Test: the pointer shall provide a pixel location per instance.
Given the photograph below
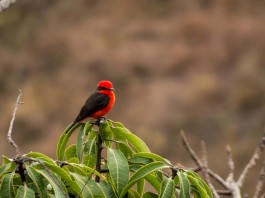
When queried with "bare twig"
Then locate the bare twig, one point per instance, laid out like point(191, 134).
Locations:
point(9, 134)
point(252, 162)
point(205, 170)
point(231, 165)
point(218, 179)
point(189, 149)
point(224, 192)
point(232, 185)
point(5, 4)
point(201, 166)
point(260, 182)
point(199, 163)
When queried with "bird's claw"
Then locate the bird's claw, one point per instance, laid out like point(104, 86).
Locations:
point(99, 120)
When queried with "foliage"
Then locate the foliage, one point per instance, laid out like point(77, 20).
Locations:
point(123, 170)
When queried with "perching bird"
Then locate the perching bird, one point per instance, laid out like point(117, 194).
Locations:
point(98, 103)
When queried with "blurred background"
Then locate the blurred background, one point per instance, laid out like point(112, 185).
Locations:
point(196, 65)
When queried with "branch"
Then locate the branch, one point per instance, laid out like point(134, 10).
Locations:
point(231, 165)
point(205, 170)
point(232, 185)
point(198, 161)
point(218, 178)
point(9, 134)
point(190, 150)
point(21, 168)
point(260, 182)
point(99, 151)
point(253, 161)
point(5, 4)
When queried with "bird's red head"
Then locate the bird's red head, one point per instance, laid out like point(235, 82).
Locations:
point(105, 84)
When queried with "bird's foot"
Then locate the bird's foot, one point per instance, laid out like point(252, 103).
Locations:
point(99, 120)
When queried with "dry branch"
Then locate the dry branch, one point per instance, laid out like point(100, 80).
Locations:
point(231, 184)
point(231, 187)
point(9, 134)
point(255, 157)
point(260, 182)
point(205, 170)
point(196, 159)
point(5, 4)
point(190, 150)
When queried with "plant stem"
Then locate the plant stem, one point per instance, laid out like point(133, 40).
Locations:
point(99, 150)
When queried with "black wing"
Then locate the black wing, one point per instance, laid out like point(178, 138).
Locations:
point(93, 104)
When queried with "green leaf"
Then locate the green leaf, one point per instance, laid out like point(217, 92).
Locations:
point(73, 160)
point(133, 194)
point(42, 157)
point(159, 176)
point(135, 167)
point(199, 186)
point(64, 176)
point(139, 161)
point(57, 185)
point(176, 180)
point(5, 160)
point(7, 188)
point(141, 173)
point(64, 140)
point(89, 187)
point(91, 142)
point(89, 156)
point(121, 142)
point(150, 195)
point(118, 168)
point(195, 192)
point(119, 124)
point(70, 152)
point(124, 147)
point(152, 156)
point(86, 170)
point(105, 132)
point(25, 192)
point(152, 179)
point(184, 185)
point(167, 188)
point(37, 181)
point(135, 141)
point(79, 143)
point(88, 128)
point(140, 186)
point(201, 182)
point(4, 168)
point(17, 181)
point(77, 170)
point(107, 188)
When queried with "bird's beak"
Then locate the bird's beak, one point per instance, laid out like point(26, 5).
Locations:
point(111, 89)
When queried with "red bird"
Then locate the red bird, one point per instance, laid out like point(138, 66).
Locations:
point(98, 103)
